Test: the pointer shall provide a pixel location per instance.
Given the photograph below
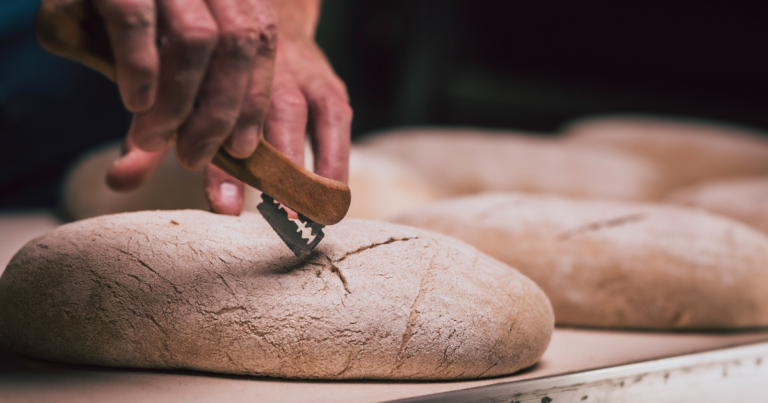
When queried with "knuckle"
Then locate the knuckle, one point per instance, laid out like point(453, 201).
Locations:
point(219, 121)
point(255, 103)
point(172, 114)
point(289, 101)
point(239, 43)
point(268, 36)
point(267, 23)
point(143, 69)
point(130, 14)
point(336, 108)
point(197, 36)
point(176, 114)
point(139, 65)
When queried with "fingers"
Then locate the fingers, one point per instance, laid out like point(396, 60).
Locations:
point(225, 193)
point(331, 125)
point(131, 27)
point(132, 169)
point(305, 85)
point(188, 35)
point(287, 118)
point(254, 109)
point(221, 94)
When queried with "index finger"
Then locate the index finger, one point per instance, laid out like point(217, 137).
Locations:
point(131, 27)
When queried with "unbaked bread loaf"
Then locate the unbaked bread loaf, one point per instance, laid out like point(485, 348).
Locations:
point(743, 199)
point(464, 161)
point(195, 290)
point(86, 194)
point(618, 265)
point(688, 151)
point(381, 187)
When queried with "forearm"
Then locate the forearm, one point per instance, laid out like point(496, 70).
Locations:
point(296, 19)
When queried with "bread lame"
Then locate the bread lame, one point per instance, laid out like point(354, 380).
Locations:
point(74, 30)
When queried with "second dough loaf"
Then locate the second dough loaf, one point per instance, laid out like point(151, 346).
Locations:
point(619, 265)
point(687, 151)
point(464, 161)
point(743, 199)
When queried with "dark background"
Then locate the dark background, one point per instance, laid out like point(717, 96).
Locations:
point(501, 64)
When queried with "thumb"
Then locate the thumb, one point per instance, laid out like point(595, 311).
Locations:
point(135, 166)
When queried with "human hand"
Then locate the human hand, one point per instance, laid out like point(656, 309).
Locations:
point(199, 68)
point(307, 97)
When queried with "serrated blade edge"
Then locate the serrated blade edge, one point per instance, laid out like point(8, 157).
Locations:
point(287, 229)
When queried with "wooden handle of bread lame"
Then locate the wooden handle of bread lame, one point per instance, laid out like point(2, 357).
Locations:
point(74, 29)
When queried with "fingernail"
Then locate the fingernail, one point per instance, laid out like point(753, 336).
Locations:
point(227, 200)
point(227, 193)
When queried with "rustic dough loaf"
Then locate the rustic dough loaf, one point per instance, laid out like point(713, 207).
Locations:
point(462, 161)
point(190, 289)
point(86, 194)
point(612, 264)
point(743, 199)
point(688, 151)
point(381, 187)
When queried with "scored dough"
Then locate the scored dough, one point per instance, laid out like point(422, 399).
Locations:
point(466, 161)
point(614, 264)
point(195, 290)
point(688, 151)
point(743, 199)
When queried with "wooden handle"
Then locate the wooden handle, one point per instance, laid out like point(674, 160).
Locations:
point(74, 30)
point(274, 174)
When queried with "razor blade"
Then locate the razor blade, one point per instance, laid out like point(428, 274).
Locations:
point(289, 230)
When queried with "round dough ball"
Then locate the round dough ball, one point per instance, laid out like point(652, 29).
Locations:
point(618, 265)
point(743, 199)
point(87, 195)
point(688, 151)
point(195, 290)
point(383, 187)
point(462, 161)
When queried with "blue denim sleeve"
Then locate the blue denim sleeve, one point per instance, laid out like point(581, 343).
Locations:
point(51, 111)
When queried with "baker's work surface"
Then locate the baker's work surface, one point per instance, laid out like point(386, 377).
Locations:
point(577, 352)
point(571, 351)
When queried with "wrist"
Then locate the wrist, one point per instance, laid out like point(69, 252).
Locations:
point(296, 19)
